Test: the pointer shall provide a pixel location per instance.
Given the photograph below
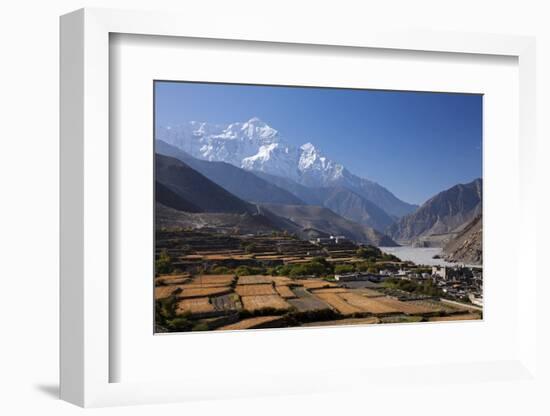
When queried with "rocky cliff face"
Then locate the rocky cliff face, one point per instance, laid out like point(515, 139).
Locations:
point(467, 246)
point(447, 212)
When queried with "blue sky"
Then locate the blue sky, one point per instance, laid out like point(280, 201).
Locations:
point(415, 144)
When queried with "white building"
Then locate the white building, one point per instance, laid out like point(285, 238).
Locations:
point(440, 271)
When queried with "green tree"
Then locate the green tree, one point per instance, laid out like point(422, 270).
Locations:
point(369, 252)
point(307, 269)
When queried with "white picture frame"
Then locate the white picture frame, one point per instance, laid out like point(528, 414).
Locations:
point(86, 355)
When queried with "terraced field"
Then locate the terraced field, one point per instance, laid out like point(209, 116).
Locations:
point(197, 292)
point(172, 279)
point(162, 292)
point(408, 308)
point(285, 292)
point(229, 302)
point(254, 280)
point(252, 323)
point(346, 321)
point(338, 303)
point(195, 306)
point(308, 304)
point(370, 305)
point(330, 290)
point(370, 293)
point(457, 317)
point(450, 309)
point(255, 303)
point(255, 290)
point(221, 279)
point(314, 283)
point(282, 280)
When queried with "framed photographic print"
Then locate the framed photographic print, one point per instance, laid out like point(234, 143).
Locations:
point(258, 228)
point(271, 207)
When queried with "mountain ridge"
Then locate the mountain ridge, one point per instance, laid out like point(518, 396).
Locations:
point(313, 217)
point(241, 183)
point(467, 246)
point(253, 145)
point(446, 212)
point(180, 188)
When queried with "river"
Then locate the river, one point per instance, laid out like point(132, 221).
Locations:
point(418, 255)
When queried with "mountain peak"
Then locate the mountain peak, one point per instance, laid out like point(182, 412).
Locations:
point(255, 120)
point(255, 145)
point(308, 147)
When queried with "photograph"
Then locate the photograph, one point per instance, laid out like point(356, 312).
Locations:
point(299, 206)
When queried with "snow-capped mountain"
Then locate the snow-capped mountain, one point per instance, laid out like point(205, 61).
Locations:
point(254, 145)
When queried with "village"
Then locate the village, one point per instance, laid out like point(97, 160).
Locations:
point(207, 280)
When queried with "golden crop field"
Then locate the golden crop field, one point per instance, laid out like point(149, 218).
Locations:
point(162, 292)
point(370, 293)
point(205, 291)
point(298, 261)
point(444, 307)
point(371, 305)
point(197, 285)
point(255, 290)
point(218, 257)
point(314, 284)
point(195, 306)
point(253, 303)
point(289, 259)
point(285, 292)
point(268, 257)
point(348, 321)
point(208, 281)
point(254, 280)
point(330, 290)
point(340, 259)
point(242, 256)
point(215, 278)
point(407, 307)
point(282, 280)
point(458, 317)
point(172, 279)
point(251, 323)
point(335, 301)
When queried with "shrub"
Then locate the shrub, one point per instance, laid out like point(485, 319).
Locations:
point(165, 308)
point(221, 270)
point(249, 270)
point(200, 327)
point(427, 287)
point(250, 248)
point(163, 264)
point(344, 268)
point(178, 324)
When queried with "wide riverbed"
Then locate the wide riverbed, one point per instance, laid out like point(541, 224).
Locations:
point(418, 255)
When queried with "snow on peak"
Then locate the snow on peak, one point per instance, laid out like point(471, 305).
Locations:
point(252, 145)
point(308, 147)
point(255, 120)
